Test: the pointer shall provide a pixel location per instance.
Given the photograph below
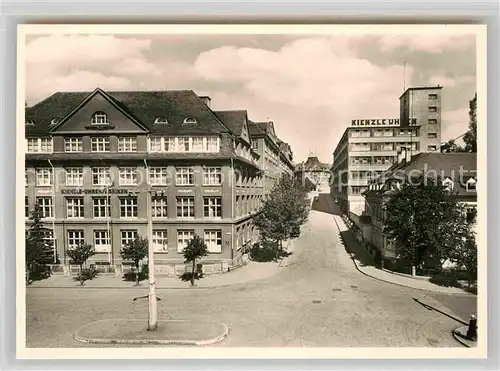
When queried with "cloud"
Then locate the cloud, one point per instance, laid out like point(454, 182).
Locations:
point(311, 88)
point(77, 62)
point(454, 123)
point(427, 42)
point(450, 82)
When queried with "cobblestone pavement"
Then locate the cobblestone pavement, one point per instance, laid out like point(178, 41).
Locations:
point(318, 299)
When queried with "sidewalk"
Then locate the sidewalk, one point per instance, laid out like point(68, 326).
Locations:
point(251, 272)
point(365, 264)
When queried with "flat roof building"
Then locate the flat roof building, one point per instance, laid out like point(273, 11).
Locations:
point(370, 146)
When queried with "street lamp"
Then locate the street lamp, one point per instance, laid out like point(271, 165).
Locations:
point(153, 307)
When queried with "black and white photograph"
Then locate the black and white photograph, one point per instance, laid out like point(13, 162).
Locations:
point(232, 190)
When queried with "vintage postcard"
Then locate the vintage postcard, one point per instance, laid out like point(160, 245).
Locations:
point(241, 191)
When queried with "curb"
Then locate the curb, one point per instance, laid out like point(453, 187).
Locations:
point(398, 284)
point(152, 341)
point(458, 337)
point(133, 287)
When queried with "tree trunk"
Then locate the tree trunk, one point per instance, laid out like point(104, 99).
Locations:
point(137, 273)
point(192, 273)
point(81, 275)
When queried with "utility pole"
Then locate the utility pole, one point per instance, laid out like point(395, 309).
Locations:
point(153, 305)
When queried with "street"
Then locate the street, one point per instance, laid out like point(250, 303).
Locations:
point(318, 300)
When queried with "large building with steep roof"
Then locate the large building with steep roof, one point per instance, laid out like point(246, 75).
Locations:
point(317, 172)
point(94, 158)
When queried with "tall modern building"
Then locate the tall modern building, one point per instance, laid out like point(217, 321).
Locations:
point(369, 147)
point(93, 159)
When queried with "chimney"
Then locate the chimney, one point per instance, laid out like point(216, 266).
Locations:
point(206, 99)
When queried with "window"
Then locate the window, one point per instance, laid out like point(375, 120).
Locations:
point(127, 144)
point(54, 121)
point(448, 184)
point(189, 120)
point(159, 207)
point(155, 144)
point(185, 207)
point(29, 122)
point(433, 96)
point(184, 176)
point(128, 176)
point(471, 184)
point(101, 207)
point(431, 135)
point(159, 240)
point(183, 238)
point(25, 177)
point(213, 239)
point(101, 176)
point(100, 144)
point(161, 120)
point(255, 144)
point(73, 144)
point(432, 109)
point(37, 145)
point(212, 176)
point(44, 177)
point(46, 206)
point(74, 207)
point(197, 144)
point(128, 236)
point(169, 144)
point(212, 144)
point(74, 176)
point(102, 241)
point(158, 175)
point(75, 238)
point(431, 148)
point(26, 208)
point(212, 207)
point(432, 121)
point(128, 207)
point(183, 144)
point(99, 118)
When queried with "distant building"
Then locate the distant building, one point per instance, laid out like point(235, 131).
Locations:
point(316, 172)
point(458, 171)
point(370, 146)
point(275, 156)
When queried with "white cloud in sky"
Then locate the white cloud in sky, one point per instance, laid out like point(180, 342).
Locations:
point(311, 87)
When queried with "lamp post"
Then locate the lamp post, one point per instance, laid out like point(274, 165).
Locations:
point(153, 305)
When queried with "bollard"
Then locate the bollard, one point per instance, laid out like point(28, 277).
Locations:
point(472, 330)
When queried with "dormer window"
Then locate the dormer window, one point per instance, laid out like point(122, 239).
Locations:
point(54, 121)
point(161, 120)
point(471, 184)
point(448, 184)
point(99, 118)
point(190, 120)
point(29, 122)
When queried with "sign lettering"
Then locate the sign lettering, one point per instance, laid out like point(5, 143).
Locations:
point(79, 191)
point(374, 122)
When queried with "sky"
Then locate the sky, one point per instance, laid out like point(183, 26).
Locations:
point(310, 86)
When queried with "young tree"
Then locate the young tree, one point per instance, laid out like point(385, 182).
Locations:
point(195, 249)
point(135, 251)
point(470, 138)
point(465, 256)
point(283, 213)
point(39, 252)
point(424, 222)
point(79, 255)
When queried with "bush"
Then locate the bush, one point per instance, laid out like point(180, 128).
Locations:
point(132, 276)
point(39, 272)
point(86, 274)
point(187, 276)
point(445, 279)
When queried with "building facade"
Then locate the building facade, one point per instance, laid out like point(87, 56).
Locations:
point(317, 172)
point(275, 156)
point(369, 147)
point(457, 171)
point(93, 160)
